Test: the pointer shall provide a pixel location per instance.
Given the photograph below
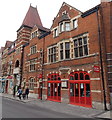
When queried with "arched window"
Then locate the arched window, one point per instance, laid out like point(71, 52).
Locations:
point(31, 83)
point(49, 78)
point(72, 78)
point(59, 78)
point(17, 63)
point(81, 76)
point(76, 76)
point(87, 77)
point(55, 77)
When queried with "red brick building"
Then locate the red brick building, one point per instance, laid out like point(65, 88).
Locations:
point(69, 63)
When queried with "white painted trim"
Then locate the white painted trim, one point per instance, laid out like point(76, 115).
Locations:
point(78, 16)
point(95, 79)
point(44, 79)
point(64, 79)
point(97, 91)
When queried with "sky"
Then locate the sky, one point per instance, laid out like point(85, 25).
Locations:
point(12, 13)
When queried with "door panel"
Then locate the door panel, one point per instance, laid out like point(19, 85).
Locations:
point(54, 91)
point(80, 94)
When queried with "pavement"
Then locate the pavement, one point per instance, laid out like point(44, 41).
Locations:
point(65, 108)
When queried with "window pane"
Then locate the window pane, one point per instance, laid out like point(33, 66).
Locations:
point(76, 89)
point(67, 45)
point(61, 27)
point(54, 57)
point(54, 49)
point(67, 26)
point(59, 89)
point(61, 51)
point(51, 58)
point(76, 76)
point(76, 52)
point(81, 76)
point(75, 43)
point(61, 46)
point(82, 89)
point(85, 50)
point(55, 32)
point(87, 90)
point(67, 54)
point(61, 54)
point(80, 51)
point(87, 77)
point(55, 89)
point(85, 40)
point(71, 89)
point(71, 77)
point(49, 92)
point(75, 24)
point(49, 78)
point(80, 41)
point(59, 78)
point(51, 50)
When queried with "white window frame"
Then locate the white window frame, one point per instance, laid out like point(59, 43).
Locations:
point(75, 23)
point(31, 83)
point(34, 34)
point(55, 32)
point(61, 26)
point(33, 49)
point(67, 28)
point(32, 63)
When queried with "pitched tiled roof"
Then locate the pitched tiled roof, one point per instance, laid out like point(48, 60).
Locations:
point(64, 17)
point(43, 28)
point(32, 18)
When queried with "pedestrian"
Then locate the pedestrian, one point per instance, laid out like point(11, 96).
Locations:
point(24, 94)
point(27, 92)
point(20, 93)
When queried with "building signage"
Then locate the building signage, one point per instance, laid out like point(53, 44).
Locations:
point(16, 71)
point(96, 69)
point(40, 76)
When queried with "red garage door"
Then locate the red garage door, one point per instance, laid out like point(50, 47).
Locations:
point(79, 89)
point(54, 87)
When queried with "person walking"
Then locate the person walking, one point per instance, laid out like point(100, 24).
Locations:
point(24, 94)
point(27, 92)
point(20, 93)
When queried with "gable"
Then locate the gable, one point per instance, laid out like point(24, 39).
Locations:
point(70, 12)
